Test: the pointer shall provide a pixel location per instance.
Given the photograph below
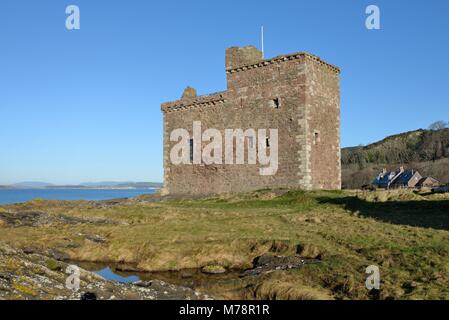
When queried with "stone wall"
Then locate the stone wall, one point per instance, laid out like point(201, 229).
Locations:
point(304, 88)
point(323, 118)
point(237, 57)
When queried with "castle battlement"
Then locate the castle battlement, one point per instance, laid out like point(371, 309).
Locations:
point(281, 59)
point(195, 102)
point(236, 56)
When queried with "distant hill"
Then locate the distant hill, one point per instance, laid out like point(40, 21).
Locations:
point(141, 185)
point(113, 184)
point(424, 150)
point(88, 185)
point(102, 184)
point(31, 185)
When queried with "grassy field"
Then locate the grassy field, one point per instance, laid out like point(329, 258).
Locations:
point(406, 234)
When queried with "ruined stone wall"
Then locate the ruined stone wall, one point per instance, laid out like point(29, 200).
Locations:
point(248, 103)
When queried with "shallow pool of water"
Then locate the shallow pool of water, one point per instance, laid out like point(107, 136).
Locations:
point(226, 285)
point(108, 274)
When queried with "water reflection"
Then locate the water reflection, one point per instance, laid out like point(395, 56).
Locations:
point(110, 275)
point(223, 286)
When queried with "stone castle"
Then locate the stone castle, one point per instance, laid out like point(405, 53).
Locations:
point(299, 94)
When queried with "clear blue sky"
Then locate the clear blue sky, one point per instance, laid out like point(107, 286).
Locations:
point(84, 105)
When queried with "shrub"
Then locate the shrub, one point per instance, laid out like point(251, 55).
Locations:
point(52, 265)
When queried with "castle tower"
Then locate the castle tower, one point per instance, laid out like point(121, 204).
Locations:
point(297, 94)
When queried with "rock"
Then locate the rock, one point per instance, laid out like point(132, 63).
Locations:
point(29, 250)
point(213, 269)
point(57, 255)
point(35, 218)
point(5, 276)
point(264, 260)
point(95, 238)
point(268, 263)
point(28, 276)
point(89, 296)
point(7, 250)
point(24, 219)
point(166, 291)
point(73, 245)
point(313, 220)
point(409, 286)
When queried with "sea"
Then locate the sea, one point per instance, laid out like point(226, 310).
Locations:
point(10, 196)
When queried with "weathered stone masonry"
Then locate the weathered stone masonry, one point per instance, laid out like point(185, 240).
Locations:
point(307, 93)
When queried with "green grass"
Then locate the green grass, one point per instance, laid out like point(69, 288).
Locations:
point(52, 264)
point(406, 234)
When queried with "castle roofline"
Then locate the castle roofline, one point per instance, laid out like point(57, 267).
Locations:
point(251, 59)
point(283, 58)
point(200, 101)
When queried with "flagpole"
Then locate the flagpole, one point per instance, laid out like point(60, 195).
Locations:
point(263, 51)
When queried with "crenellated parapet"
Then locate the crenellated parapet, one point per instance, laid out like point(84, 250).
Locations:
point(282, 59)
point(191, 102)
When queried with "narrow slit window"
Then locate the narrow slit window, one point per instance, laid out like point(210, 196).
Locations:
point(267, 142)
point(316, 137)
point(191, 149)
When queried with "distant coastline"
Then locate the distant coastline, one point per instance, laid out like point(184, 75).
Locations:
point(11, 196)
point(85, 186)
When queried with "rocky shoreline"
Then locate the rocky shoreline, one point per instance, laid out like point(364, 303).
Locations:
point(35, 272)
point(32, 276)
point(26, 275)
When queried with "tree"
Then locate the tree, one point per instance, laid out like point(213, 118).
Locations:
point(438, 125)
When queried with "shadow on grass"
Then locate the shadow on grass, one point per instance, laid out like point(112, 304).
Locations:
point(425, 214)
